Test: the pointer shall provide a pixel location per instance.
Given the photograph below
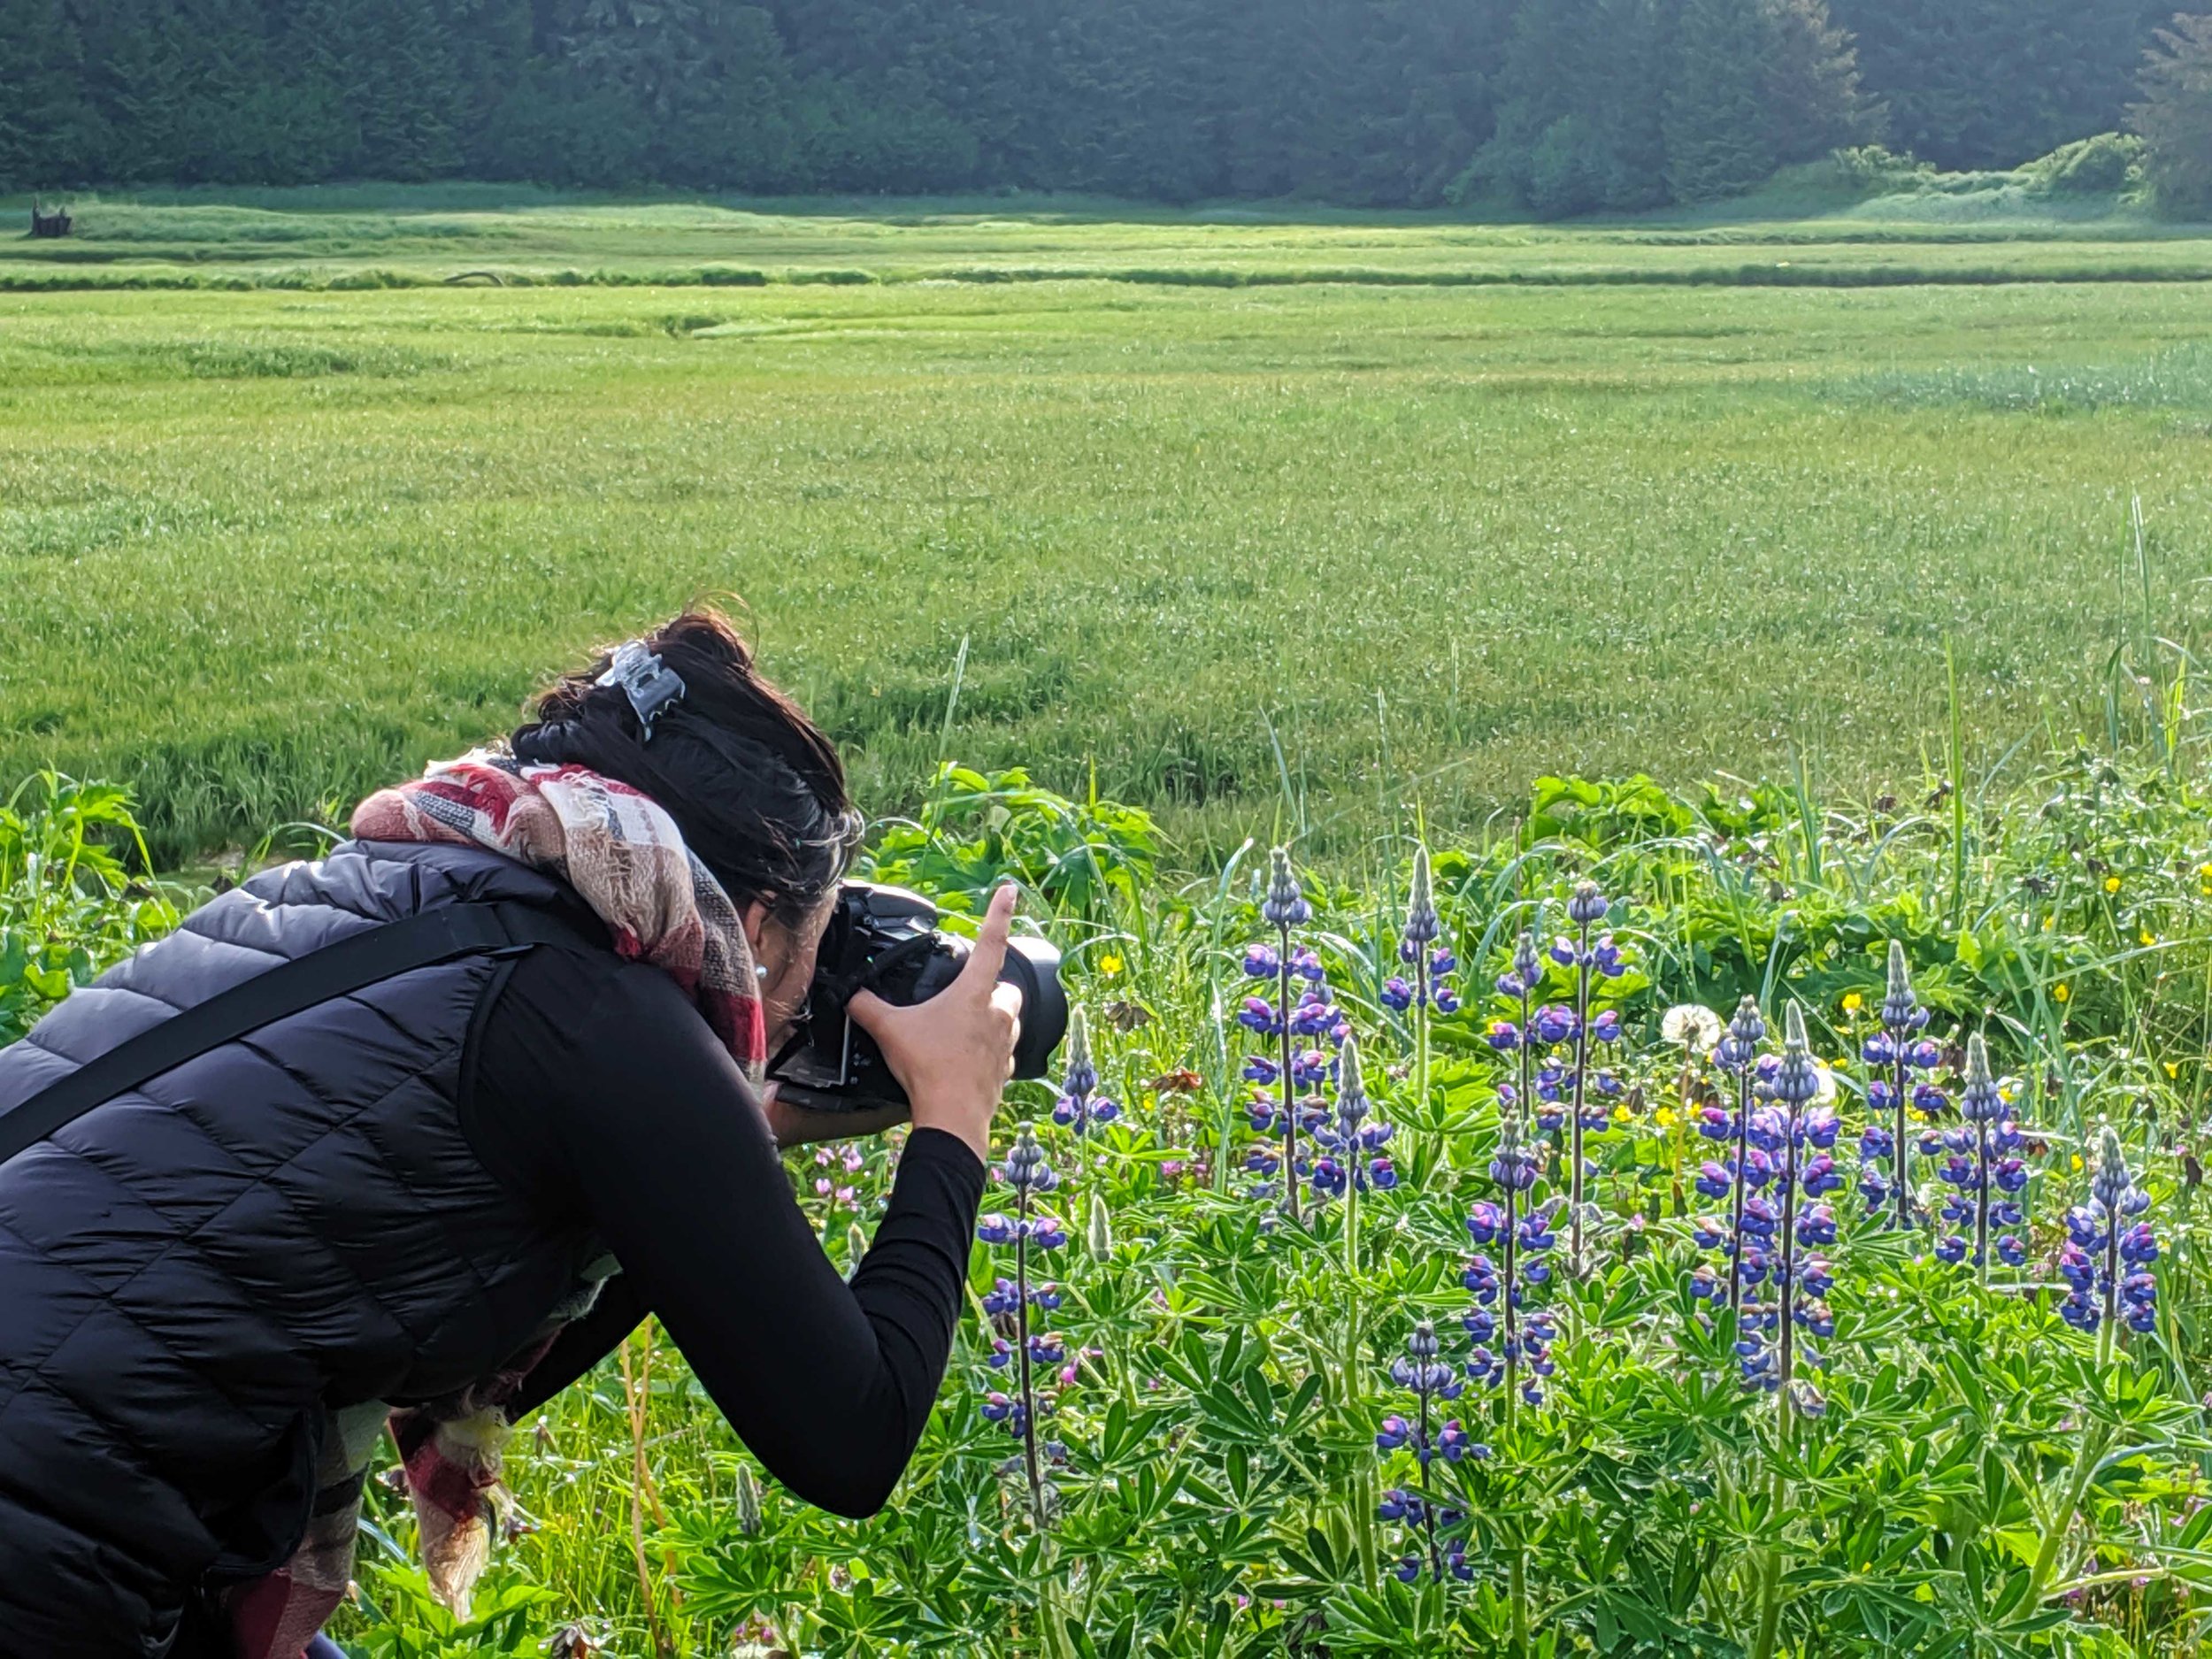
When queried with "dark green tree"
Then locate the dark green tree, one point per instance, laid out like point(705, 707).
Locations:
point(1719, 139)
point(2175, 115)
point(1810, 83)
point(51, 135)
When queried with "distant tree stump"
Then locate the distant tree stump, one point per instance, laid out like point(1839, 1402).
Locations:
point(54, 224)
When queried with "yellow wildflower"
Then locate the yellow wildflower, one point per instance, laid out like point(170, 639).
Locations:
point(2077, 1163)
point(2062, 991)
point(2112, 884)
point(1665, 1115)
point(2172, 1071)
point(1110, 965)
point(1853, 1003)
point(1620, 1114)
point(2148, 937)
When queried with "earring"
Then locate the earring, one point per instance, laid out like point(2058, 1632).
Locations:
point(759, 972)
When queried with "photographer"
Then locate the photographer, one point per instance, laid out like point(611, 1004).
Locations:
point(435, 1199)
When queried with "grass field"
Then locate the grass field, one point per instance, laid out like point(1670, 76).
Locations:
point(1298, 550)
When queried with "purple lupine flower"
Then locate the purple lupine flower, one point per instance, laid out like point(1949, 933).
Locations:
point(1526, 977)
point(1297, 1010)
point(1355, 1160)
point(1423, 1373)
point(1431, 964)
point(1745, 1170)
point(1081, 1106)
point(1777, 1290)
point(1007, 1302)
point(1899, 1048)
point(1501, 1290)
point(2108, 1253)
point(1985, 1169)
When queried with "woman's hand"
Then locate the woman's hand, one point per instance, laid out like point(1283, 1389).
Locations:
point(953, 1053)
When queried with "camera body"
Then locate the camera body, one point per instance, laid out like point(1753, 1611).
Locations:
point(886, 940)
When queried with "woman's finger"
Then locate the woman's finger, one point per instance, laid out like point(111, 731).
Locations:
point(987, 955)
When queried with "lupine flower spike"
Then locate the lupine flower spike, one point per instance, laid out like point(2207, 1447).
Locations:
point(1743, 1178)
point(1431, 964)
point(1523, 1356)
point(2108, 1253)
point(1805, 1129)
point(1353, 1157)
point(1590, 959)
point(1027, 1172)
point(1502, 1290)
point(1432, 1381)
point(1311, 1015)
point(1885, 1147)
point(1081, 1105)
point(1985, 1168)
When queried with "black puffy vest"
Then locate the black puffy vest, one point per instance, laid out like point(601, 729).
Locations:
point(190, 1273)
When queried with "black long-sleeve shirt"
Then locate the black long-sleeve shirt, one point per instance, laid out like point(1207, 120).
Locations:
point(599, 1091)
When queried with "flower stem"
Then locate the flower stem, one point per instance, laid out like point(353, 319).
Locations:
point(1736, 1193)
point(1421, 1055)
point(1582, 1067)
point(1516, 1570)
point(1029, 1398)
point(1290, 1108)
point(1900, 1156)
point(1981, 1202)
point(2086, 1460)
point(1428, 1502)
point(1771, 1567)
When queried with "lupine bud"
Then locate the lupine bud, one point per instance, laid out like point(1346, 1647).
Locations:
point(1528, 969)
point(1979, 1102)
point(1422, 923)
point(1080, 1077)
point(1025, 1167)
point(2111, 1184)
point(1901, 1013)
point(1098, 1236)
point(1745, 1031)
point(1351, 1092)
point(1285, 905)
point(748, 1521)
point(1588, 905)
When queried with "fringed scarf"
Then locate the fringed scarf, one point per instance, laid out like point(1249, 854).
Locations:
point(625, 858)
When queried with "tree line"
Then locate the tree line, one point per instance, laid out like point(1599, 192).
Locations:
point(1559, 106)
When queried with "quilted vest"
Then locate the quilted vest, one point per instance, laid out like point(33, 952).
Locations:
point(194, 1271)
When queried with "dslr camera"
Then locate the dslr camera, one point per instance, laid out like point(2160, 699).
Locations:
point(886, 940)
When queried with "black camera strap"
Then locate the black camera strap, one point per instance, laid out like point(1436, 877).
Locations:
point(500, 928)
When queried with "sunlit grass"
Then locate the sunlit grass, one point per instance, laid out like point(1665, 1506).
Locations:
point(1257, 556)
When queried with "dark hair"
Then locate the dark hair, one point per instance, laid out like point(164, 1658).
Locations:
point(752, 783)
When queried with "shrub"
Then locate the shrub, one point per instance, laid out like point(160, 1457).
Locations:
point(2101, 166)
point(1875, 168)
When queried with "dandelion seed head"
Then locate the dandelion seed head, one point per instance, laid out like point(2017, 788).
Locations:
point(1691, 1027)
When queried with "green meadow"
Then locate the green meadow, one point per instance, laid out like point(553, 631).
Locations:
point(1272, 523)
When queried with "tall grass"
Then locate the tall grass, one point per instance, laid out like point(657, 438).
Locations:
point(259, 552)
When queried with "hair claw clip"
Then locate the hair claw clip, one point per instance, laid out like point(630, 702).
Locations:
point(650, 684)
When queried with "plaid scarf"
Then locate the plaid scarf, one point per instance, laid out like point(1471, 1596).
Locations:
point(625, 856)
